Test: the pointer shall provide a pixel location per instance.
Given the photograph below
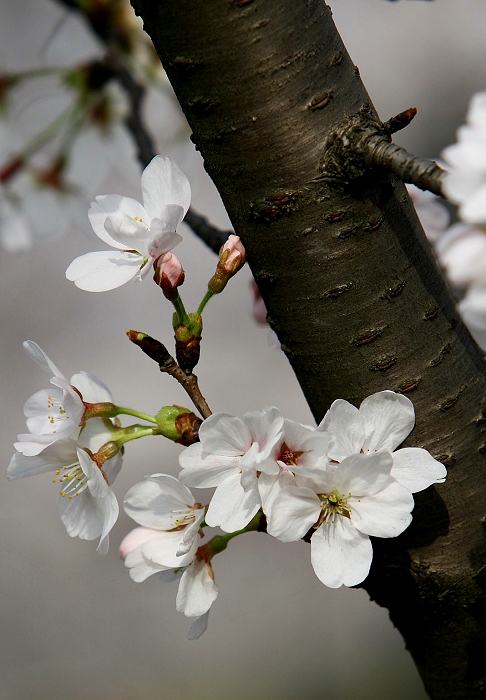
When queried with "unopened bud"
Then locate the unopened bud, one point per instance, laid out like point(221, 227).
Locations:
point(188, 342)
point(178, 424)
point(169, 275)
point(232, 257)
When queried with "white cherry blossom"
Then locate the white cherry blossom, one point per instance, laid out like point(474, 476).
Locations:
point(230, 453)
point(345, 505)
point(139, 233)
point(169, 534)
point(381, 424)
point(87, 505)
point(465, 184)
point(462, 253)
point(55, 413)
point(250, 460)
point(167, 543)
point(433, 215)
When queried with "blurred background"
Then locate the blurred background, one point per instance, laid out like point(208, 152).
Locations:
point(73, 624)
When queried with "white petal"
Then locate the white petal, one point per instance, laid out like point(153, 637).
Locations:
point(53, 457)
point(39, 356)
point(346, 426)
point(474, 209)
point(231, 506)
point(162, 241)
point(388, 419)
point(162, 550)
point(168, 220)
point(135, 539)
point(103, 270)
point(140, 567)
point(340, 555)
point(72, 403)
point(362, 475)
point(190, 533)
point(197, 590)
point(204, 471)
point(384, 514)
point(31, 445)
point(45, 414)
point(92, 389)
point(293, 513)
point(266, 429)
point(95, 434)
point(270, 487)
point(416, 469)
point(163, 182)
point(223, 434)
point(129, 233)
point(159, 502)
point(109, 204)
point(199, 626)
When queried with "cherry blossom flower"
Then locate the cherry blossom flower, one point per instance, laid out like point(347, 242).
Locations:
point(431, 211)
point(55, 413)
point(167, 543)
point(462, 253)
point(139, 233)
point(344, 505)
point(301, 452)
point(465, 184)
point(250, 460)
point(230, 453)
point(381, 424)
point(87, 505)
point(169, 534)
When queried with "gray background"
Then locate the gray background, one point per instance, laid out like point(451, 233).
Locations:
point(72, 623)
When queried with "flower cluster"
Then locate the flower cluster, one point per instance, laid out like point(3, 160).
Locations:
point(59, 441)
point(339, 483)
point(462, 249)
point(343, 481)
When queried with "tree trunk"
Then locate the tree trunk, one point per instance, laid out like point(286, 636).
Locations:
point(350, 285)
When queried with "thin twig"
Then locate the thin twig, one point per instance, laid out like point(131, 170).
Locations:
point(423, 173)
point(159, 353)
point(362, 142)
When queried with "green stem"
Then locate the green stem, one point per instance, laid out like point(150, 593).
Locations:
point(180, 311)
point(132, 432)
point(121, 410)
point(220, 542)
point(204, 301)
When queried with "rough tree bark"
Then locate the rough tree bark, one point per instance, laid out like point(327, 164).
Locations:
point(350, 285)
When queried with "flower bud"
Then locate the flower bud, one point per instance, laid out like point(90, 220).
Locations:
point(232, 257)
point(178, 424)
point(169, 275)
point(188, 342)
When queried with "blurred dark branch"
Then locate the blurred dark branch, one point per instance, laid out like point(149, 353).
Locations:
point(99, 21)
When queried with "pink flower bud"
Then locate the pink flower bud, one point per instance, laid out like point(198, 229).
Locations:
point(232, 257)
point(168, 274)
